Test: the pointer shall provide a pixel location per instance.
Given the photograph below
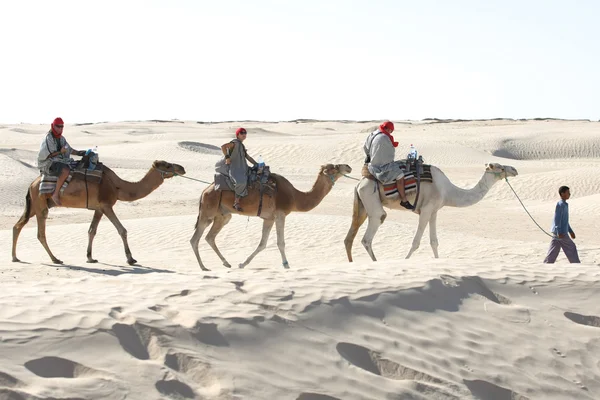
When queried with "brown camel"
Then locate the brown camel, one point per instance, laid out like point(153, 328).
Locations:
point(216, 209)
point(100, 197)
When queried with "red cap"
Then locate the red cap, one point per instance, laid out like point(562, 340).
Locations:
point(387, 125)
point(240, 131)
point(58, 121)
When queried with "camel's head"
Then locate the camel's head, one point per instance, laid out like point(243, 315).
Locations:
point(501, 171)
point(334, 171)
point(168, 170)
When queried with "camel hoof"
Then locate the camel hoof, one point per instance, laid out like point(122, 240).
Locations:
point(241, 266)
point(226, 264)
point(92, 261)
point(57, 261)
point(15, 259)
point(131, 261)
point(204, 268)
point(286, 265)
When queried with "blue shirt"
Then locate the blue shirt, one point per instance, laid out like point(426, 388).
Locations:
point(560, 225)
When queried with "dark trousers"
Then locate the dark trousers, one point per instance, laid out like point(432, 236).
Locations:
point(567, 245)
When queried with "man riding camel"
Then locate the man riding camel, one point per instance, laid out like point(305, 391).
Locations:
point(380, 149)
point(234, 165)
point(54, 157)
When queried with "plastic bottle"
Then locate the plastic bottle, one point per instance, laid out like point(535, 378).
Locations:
point(93, 153)
point(412, 153)
point(260, 164)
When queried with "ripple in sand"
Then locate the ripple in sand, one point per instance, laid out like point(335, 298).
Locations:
point(200, 147)
point(489, 391)
point(589, 320)
point(175, 389)
point(56, 367)
point(315, 396)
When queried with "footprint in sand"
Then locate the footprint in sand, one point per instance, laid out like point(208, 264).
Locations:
point(175, 389)
point(589, 320)
point(9, 381)
point(371, 361)
point(56, 367)
point(139, 340)
point(558, 353)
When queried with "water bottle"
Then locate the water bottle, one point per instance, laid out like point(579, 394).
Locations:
point(93, 154)
point(412, 154)
point(261, 164)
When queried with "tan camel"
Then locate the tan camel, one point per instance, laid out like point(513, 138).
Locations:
point(216, 208)
point(369, 202)
point(100, 197)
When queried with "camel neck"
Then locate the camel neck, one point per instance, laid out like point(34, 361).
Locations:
point(131, 191)
point(457, 197)
point(306, 201)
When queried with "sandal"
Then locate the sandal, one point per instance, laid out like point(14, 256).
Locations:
point(407, 205)
point(237, 207)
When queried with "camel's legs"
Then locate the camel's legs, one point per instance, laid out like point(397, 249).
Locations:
point(218, 224)
point(91, 233)
point(359, 214)
point(28, 213)
point(110, 214)
point(267, 225)
point(201, 225)
point(372, 226)
point(424, 218)
point(41, 221)
point(280, 227)
point(433, 240)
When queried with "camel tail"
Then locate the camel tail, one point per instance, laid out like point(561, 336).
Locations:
point(359, 214)
point(26, 214)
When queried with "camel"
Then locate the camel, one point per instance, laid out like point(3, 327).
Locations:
point(100, 197)
point(433, 196)
point(216, 208)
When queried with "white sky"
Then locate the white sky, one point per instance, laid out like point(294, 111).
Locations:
point(115, 60)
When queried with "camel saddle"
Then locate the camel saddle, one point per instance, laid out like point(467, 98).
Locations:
point(257, 180)
point(79, 171)
point(410, 178)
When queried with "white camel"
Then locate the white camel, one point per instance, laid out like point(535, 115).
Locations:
point(369, 202)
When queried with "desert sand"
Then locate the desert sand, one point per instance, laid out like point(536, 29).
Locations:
point(487, 320)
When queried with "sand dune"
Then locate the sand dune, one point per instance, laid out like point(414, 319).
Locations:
point(486, 321)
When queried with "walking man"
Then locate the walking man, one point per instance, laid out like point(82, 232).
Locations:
point(560, 228)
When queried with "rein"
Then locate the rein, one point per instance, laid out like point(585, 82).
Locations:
point(524, 208)
point(162, 174)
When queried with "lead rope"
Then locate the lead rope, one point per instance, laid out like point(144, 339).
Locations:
point(525, 208)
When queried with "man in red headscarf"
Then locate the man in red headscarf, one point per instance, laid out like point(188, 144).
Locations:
point(54, 156)
point(233, 164)
point(380, 149)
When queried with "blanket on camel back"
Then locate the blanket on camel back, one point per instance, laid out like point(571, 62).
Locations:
point(258, 179)
point(78, 172)
point(410, 178)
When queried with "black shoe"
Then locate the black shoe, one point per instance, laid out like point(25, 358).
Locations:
point(407, 205)
point(237, 207)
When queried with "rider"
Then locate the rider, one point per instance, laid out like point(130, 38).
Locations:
point(235, 155)
point(54, 156)
point(380, 148)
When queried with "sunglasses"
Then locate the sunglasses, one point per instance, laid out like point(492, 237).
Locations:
point(58, 126)
point(242, 133)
